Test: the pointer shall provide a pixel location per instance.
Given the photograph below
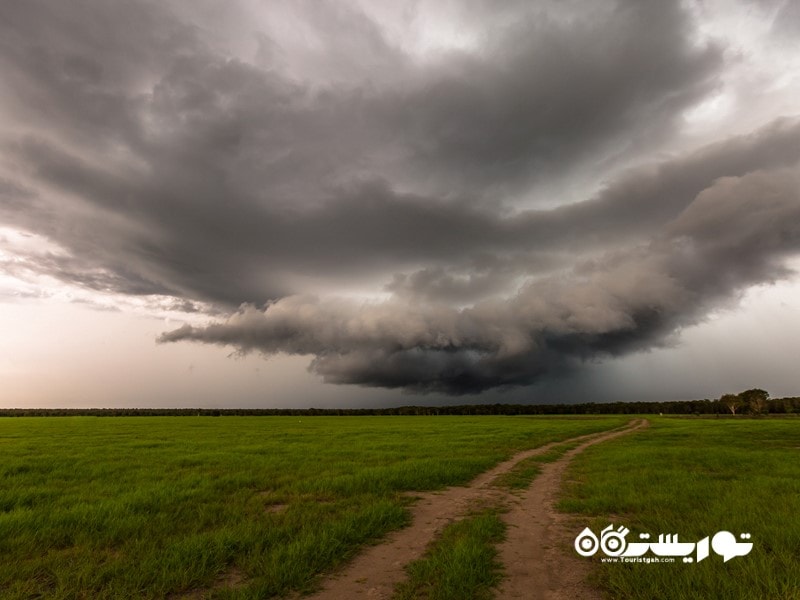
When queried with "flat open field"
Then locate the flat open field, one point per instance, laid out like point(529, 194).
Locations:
point(251, 507)
point(259, 507)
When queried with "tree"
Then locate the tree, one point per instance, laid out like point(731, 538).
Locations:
point(731, 401)
point(755, 400)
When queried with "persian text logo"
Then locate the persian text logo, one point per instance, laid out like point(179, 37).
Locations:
point(613, 544)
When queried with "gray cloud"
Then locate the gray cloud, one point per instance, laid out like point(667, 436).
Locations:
point(215, 177)
point(786, 21)
point(734, 234)
point(226, 157)
point(556, 92)
point(198, 246)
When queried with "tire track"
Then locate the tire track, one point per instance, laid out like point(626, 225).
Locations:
point(375, 572)
point(536, 565)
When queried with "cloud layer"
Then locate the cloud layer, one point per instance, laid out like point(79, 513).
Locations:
point(518, 187)
point(736, 233)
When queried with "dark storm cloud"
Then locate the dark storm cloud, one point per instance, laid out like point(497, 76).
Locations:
point(548, 92)
point(734, 234)
point(229, 252)
point(162, 158)
point(629, 209)
point(223, 180)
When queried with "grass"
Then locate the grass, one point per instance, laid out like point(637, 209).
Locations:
point(525, 471)
point(234, 507)
point(695, 477)
point(461, 564)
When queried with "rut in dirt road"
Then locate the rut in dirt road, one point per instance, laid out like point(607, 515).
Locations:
point(537, 567)
point(375, 572)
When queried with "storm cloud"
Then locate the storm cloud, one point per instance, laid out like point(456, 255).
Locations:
point(444, 198)
point(734, 234)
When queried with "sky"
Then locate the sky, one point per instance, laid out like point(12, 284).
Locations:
point(362, 203)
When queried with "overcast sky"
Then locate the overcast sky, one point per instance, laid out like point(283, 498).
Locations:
point(312, 203)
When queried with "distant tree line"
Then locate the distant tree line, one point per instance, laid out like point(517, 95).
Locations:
point(750, 402)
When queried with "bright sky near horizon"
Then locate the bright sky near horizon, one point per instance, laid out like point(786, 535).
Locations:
point(331, 203)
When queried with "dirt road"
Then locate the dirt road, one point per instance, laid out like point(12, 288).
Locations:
point(529, 561)
point(536, 566)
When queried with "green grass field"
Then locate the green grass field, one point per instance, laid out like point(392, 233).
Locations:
point(259, 507)
point(230, 507)
point(695, 477)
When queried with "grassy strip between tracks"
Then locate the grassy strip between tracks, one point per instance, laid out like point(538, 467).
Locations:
point(462, 563)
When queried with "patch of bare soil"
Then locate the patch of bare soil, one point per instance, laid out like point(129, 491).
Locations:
point(536, 552)
point(374, 573)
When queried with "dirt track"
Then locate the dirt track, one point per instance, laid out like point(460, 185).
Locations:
point(534, 565)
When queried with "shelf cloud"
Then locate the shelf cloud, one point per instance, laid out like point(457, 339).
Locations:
point(736, 233)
